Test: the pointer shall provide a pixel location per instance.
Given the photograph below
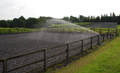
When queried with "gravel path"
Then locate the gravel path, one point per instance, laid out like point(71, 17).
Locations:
point(17, 44)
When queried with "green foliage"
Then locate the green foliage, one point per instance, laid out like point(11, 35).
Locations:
point(66, 18)
point(18, 23)
point(22, 18)
point(9, 23)
point(39, 22)
point(22, 22)
point(73, 19)
point(32, 23)
point(104, 18)
point(16, 28)
point(97, 19)
point(4, 23)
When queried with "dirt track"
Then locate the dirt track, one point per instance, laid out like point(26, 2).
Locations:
point(16, 44)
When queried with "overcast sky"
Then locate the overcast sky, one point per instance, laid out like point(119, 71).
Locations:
point(10, 9)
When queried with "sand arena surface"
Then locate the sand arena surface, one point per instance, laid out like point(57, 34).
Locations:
point(103, 25)
point(17, 44)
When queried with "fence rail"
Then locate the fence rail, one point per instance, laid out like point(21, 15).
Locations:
point(67, 51)
point(53, 29)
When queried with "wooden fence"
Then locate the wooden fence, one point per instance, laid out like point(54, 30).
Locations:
point(52, 29)
point(81, 46)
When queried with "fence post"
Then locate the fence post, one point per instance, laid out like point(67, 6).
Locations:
point(59, 29)
point(107, 35)
point(45, 59)
point(99, 31)
point(83, 30)
point(116, 31)
point(110, 34)
point(103, 37)
point(9, 31)
point(98, 40)
point(113, 34)
point(4, 65)
point(91, 30)
point(67, 50)
point(82, 47)
point(91, 42)
point(25, 30)
point(63, 29)
point(80, 29)
point(17, 30)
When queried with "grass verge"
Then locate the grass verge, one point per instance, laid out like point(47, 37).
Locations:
point(83, 23)
point(104, 60)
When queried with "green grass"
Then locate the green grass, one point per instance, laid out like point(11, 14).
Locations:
point(82, 23)
point(118, 26)
point(66, 29)
point(68, 25)
point(60, 25)
point(104, 60)
point(17, 30)
point(104, 30)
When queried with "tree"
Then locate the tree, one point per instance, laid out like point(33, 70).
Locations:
point(81, 17)
point(85, 20)
point(42, 19)
point(18, 23)
point(114, 14)
point(3, 23)
point(9, 23)
point(97, 19)
point(33, 23)
point(66, 18)
point(22, 18)
point(110, 14)
point(73, 19)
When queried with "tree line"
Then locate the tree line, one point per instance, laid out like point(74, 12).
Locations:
point(21, 22)
point(103, 18)
point(39, 22)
